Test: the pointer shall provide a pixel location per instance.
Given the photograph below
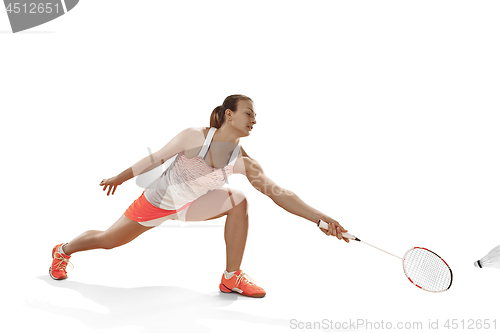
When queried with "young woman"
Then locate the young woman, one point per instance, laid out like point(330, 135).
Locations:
point(191, 189)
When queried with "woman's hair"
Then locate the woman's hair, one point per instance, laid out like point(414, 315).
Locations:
point(219, 113)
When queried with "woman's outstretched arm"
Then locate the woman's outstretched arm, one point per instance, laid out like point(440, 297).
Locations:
point(175, 146)
point(286, 199)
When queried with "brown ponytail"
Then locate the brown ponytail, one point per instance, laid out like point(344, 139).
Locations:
point(218, 116)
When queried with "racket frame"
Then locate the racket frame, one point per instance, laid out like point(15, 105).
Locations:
point(434, 253)
point(324, 225)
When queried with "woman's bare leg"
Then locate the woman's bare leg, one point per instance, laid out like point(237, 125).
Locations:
point(121, 232)
point(234, 205)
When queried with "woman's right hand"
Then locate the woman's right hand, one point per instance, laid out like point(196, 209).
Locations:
point(112, 183)
point(334, 228)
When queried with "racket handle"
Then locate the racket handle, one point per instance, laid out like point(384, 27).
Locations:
point(324, 225)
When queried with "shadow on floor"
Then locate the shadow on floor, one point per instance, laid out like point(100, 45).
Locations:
point(156, 308)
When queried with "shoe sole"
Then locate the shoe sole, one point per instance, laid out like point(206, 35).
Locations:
point(226, 290)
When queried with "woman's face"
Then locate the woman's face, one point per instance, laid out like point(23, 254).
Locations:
point(243, 119)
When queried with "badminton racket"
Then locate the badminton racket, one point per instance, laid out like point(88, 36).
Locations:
point(424, 268)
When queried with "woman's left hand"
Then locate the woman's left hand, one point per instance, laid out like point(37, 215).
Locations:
point(334, 228)
point(112, 182)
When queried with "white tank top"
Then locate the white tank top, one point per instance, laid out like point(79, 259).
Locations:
point(187, 179)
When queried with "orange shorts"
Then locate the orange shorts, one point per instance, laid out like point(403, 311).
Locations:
point(141, 210)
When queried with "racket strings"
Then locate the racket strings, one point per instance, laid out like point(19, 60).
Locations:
point(427, 270)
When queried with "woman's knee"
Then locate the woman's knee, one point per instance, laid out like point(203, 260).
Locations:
point(120, 233)
point(238, 200)
point(216, 204)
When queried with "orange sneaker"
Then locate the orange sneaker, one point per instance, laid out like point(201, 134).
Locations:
point(241, 283)
point(59, 262)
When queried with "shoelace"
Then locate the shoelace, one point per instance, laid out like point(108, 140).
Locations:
point(63, 262)
point(246, 277)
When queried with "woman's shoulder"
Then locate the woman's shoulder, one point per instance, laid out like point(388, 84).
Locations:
point(194, 137)
point(197, 131)
point(194, 132)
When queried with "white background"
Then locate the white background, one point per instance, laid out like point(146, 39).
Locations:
point(382, 114)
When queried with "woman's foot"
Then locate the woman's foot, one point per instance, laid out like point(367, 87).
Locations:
point(60, 260)
point(241, 283)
